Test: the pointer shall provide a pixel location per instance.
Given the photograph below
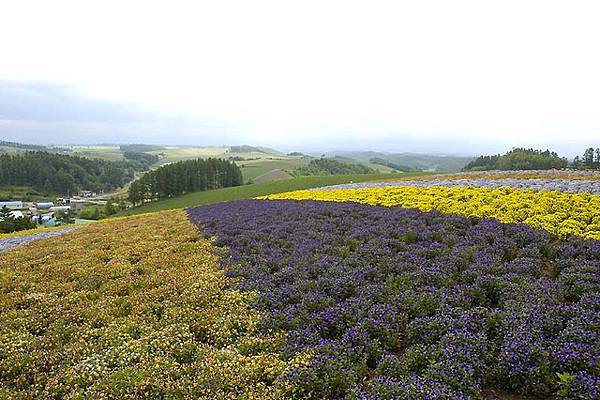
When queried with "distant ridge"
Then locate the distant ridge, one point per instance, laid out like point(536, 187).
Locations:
point(413, 161)
point(244, 148)
point(23, 146)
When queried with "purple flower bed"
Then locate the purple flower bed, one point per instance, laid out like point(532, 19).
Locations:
point(398, 303)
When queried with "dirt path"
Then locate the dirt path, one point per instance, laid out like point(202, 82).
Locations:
point(12, 242)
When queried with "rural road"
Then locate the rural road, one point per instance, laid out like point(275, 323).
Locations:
point(15, 241)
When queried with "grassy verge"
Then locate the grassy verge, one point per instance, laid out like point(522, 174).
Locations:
point(25, 193)
point(256, 189)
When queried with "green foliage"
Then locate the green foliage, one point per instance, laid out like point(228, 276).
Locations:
point(24, 193)
point(64, 217)
point(92, 212)
point(22, 146)
point(184, 177)
point(392, 165)
point(329, 166)
point(518, 159)
point(8, 223)
point(589, 160)
point(63, 174)
point(144, 159)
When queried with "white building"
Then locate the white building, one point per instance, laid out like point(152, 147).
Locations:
point(12, 205)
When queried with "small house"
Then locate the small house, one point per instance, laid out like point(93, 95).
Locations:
point(76, 204)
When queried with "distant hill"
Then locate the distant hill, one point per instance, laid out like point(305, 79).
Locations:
point(244, 148)
point(389, 164)
point(332, 166)
point(518, 158)
point(140, 148)
point(409, 161)
point(22, 146)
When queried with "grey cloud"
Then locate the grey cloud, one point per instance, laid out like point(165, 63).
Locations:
point(47, 113)
point(46, 102)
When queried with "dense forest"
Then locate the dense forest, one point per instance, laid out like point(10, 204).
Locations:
point(329, 166)
point(185, 177)
point(518, 159)
point(51, 173)
point(144, 159)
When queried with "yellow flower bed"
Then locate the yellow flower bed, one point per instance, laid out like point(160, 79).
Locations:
point(132, 308)
point(559, 213)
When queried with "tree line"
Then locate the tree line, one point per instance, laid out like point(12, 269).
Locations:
point(51, 173)
point(23, 146)
point(589, 160)
point(329, 166)
point(184, 177)
point(518, 159)
point(527, 159)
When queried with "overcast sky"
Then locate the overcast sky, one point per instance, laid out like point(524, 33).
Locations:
point(436, 76)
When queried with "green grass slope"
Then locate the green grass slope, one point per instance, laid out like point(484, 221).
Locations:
point(255, 189)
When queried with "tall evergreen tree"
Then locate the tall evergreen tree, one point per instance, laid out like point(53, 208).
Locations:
point(588, 158)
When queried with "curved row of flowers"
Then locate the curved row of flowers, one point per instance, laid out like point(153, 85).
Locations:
point(561, 214)
point(400, 303)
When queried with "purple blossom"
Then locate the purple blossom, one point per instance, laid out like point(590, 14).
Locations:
point(399, 303)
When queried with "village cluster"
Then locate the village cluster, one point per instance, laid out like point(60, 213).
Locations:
point(48, 213)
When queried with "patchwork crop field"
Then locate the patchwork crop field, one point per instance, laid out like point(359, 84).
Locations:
point(386, 290)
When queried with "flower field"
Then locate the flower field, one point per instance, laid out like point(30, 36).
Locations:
point(561, 214)
point(133, 308)
point(397, 303)
point(377, 293)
